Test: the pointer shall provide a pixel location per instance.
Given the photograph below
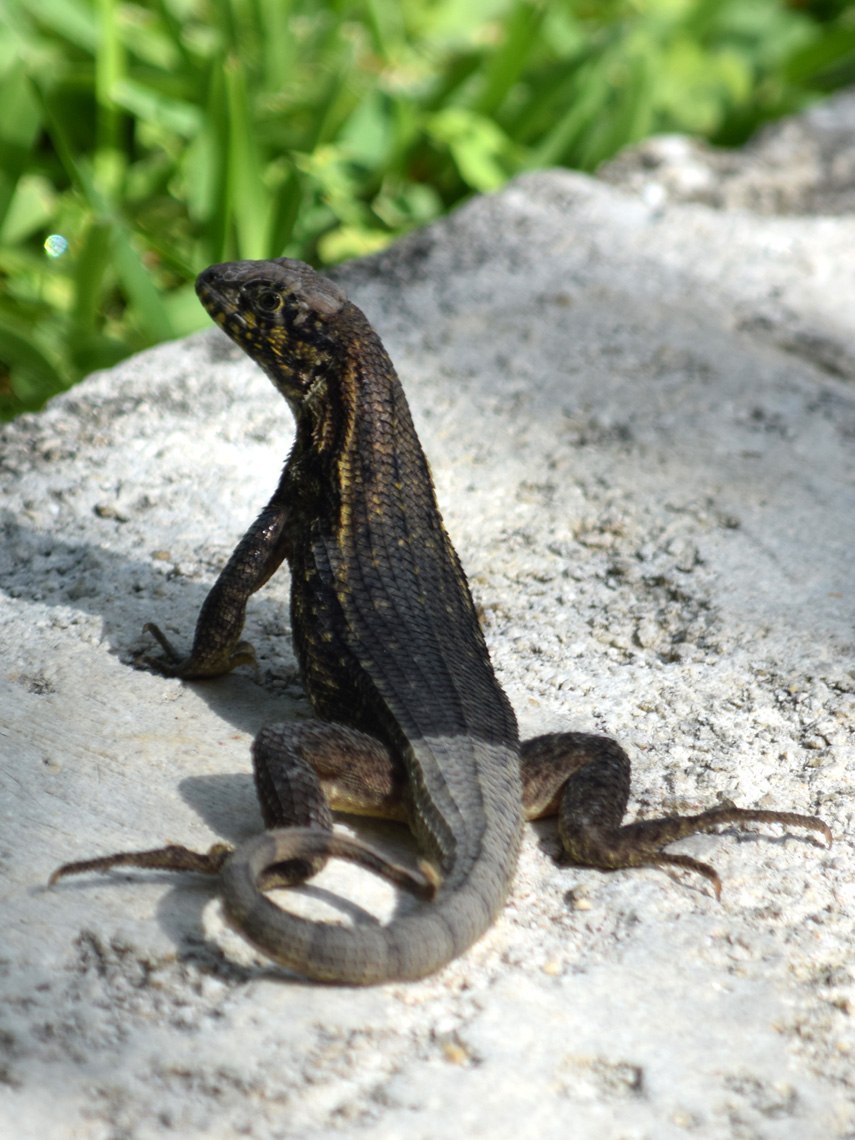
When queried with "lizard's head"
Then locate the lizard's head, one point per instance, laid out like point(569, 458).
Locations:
point(281, 313)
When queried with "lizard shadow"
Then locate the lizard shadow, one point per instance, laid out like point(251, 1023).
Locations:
point(228, 804)
point(126, 592)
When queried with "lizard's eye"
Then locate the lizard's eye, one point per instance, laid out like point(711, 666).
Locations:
point(268, 301)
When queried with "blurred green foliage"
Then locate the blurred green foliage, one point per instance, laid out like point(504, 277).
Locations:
point(156, 137)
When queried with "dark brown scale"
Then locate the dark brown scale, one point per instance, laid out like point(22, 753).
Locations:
point(414, 724)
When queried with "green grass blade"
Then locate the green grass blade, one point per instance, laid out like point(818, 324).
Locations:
point(139, 288)
point(206, 168)
point(279, 46)
point(109, 68)
point(286, 207)
point(629, 119)
point(73, 20)
point(248, 192)
point(828, 60)
point(19, 124)
point(89, 275)
point(505, 64)
point(586, 98)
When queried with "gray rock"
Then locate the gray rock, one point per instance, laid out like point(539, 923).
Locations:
point(641, 422)
point(800, 165)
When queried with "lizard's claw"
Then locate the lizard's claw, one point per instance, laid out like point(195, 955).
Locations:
point(194, 666)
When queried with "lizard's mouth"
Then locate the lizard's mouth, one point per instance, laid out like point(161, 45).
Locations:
point(218, 295)
point(219, 306)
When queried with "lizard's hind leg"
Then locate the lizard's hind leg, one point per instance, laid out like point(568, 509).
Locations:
point(301, 772)
point(305, 771)
point(584, 780)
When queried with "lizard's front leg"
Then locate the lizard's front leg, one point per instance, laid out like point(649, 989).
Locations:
point(584, 780)
point(217, 646)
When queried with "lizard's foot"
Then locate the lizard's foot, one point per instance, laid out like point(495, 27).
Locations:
point(171, 858)
point(272, 856)
point(196, 665)
point(641, 843)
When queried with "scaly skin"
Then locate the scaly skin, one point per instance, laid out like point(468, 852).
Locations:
point(416, 725)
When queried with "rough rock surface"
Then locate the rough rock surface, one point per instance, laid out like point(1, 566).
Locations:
point(802, 165)
point(641, 421)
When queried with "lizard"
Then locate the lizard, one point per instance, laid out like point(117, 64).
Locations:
point(412, 722)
